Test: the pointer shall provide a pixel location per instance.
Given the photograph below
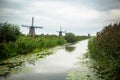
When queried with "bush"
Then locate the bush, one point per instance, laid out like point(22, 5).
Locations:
point(8, 35)
point(109, 39)
point(8, 32)
point(70, 38)
point(7, 50)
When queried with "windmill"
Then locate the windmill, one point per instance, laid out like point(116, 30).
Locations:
point(60, 32)
point(89, 35)
point(32, 27)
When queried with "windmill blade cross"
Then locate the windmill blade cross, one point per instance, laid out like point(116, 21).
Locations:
point(32, 27)
point(37, 26)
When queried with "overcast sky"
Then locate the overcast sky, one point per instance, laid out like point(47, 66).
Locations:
point(78, 16)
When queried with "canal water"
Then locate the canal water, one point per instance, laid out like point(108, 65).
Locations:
point(65, 63)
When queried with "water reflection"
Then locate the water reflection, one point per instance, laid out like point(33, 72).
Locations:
point(69, 48)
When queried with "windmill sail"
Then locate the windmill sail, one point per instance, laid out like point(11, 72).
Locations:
point(32, 27)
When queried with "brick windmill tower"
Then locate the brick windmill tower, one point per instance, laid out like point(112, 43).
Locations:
point(32, 27)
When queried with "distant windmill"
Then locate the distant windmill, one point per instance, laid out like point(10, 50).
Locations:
point(89, 35)
point(32, 27)
point(60, 32)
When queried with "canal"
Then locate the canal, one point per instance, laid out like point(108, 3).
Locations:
point(65, 63)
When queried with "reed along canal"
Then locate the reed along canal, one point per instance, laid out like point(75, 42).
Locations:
point(60, 63)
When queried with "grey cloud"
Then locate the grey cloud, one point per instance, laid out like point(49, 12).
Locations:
point(96, 4)
point(105, 4)
point(13, 5)
point(101, 5)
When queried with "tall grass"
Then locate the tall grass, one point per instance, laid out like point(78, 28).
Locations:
point(27, 44)
point(38, 43)
point(104, 49)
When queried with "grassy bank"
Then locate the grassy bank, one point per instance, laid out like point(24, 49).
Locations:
point(104, 49)
point(27, 44)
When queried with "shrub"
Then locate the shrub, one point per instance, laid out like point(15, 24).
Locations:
point(8, 32)
point(70, 38)
point(7, 50)
point(109, 39)
point(8, 35)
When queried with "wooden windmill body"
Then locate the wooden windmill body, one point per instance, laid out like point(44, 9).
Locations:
point(60, 32)
point(32, 28)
